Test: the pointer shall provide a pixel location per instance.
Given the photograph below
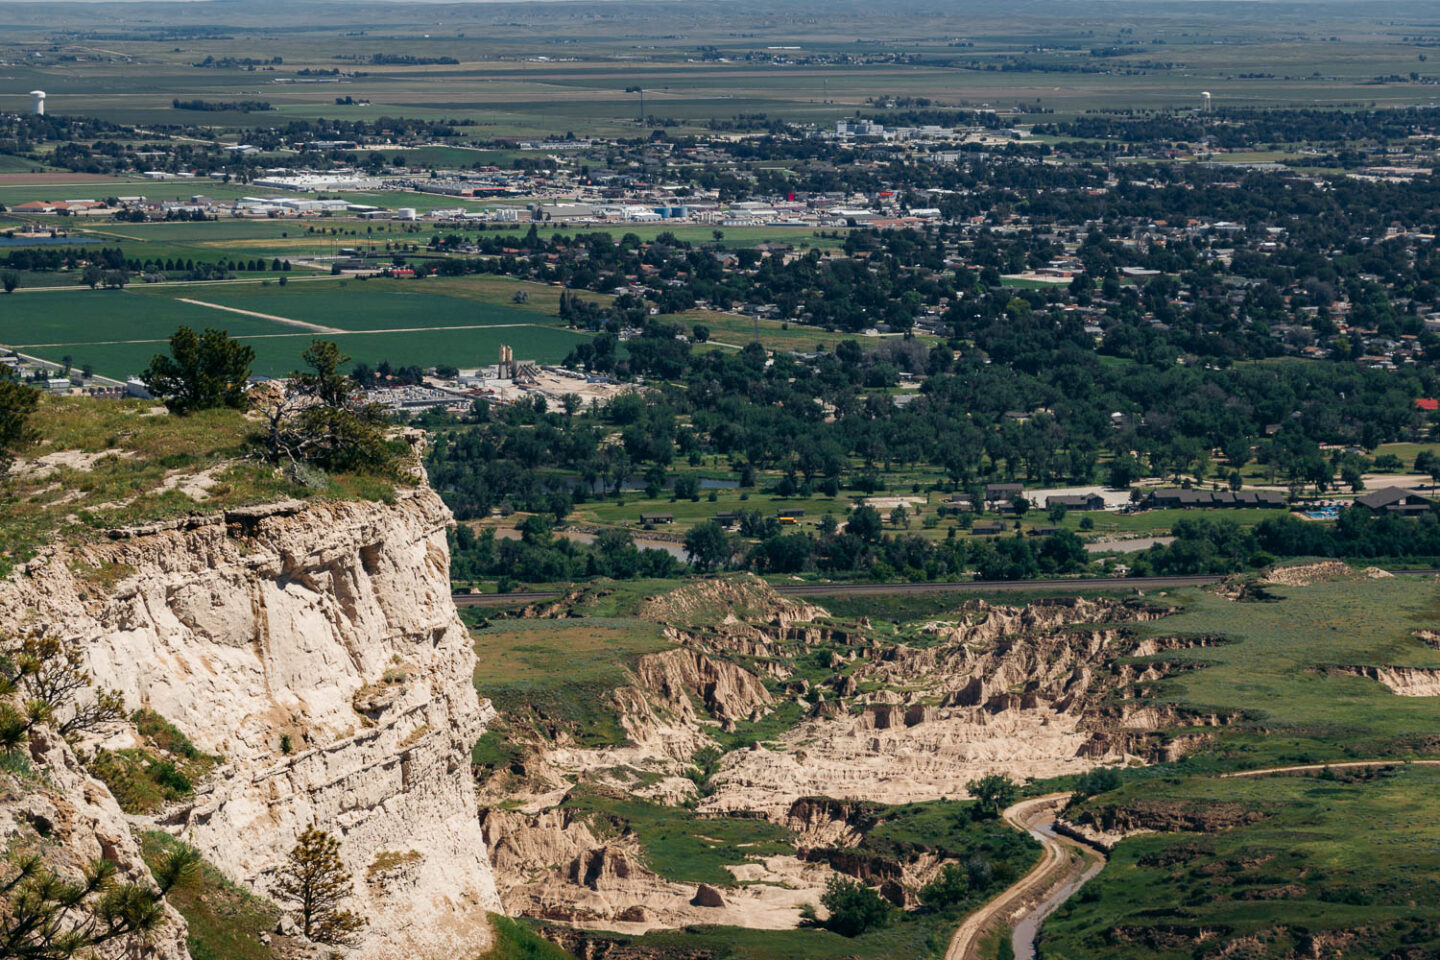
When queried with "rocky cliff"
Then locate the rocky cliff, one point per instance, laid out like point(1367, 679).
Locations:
point(315, 648)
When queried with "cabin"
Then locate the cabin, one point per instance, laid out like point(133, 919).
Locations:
point(654, 519)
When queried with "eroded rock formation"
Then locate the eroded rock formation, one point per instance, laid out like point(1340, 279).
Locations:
point(316, 649)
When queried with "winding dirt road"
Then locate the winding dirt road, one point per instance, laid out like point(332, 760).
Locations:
point(1064, 867)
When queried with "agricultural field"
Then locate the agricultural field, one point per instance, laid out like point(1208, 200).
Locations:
point(553, 72)
point(119, 331)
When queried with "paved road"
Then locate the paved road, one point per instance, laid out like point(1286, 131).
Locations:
point(1067, 865)
point(1064, 867)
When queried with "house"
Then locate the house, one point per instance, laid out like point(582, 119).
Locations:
point(987, 529)
point(1427, 405)
point(1396, 500)
point(650, 519)
point(1002, 496)
point(1003, 491)
point(1089, 501)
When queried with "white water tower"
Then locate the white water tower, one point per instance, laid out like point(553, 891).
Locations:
point(1205, 102)
point(38, 97)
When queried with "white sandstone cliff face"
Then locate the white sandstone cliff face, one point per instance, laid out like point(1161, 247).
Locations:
point(329, 624)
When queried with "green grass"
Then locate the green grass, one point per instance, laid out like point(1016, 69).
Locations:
point(677, 844)
point(516, 941)
point(556, 676)
point(225, 921)
point(1273, 668)
point(901, 832)
point(163, 770)
point(1355, 857)
point(913, 941)
point(123, 486)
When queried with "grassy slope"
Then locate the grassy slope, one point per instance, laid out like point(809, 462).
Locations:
point(942, 827)
point(1357, 857)
point(678, 845)
point(1353, 857)
point(1274, 669)
point(225, 921)
point(557, 675)
point(515, 941)
point(125, 488)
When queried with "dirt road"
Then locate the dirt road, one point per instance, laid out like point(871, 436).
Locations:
point(1064, 867)
point(1318, 767)
point(302, 324)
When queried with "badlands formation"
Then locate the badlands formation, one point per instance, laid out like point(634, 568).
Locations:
point(1037, 691)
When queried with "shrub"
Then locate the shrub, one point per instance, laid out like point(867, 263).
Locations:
point(854, 908)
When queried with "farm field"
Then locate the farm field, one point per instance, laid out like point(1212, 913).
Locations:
point(119, 331)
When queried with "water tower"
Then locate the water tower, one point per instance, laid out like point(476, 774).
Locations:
point(38, 96)
point(1205, 102)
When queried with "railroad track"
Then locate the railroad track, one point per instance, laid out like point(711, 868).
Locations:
point(951, 586)
point(993, 586)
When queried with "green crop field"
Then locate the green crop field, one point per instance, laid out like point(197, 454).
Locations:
point(367, 305)
point(71, 317)
point(119, 331)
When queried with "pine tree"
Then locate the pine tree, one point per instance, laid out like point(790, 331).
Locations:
point(315, 880)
